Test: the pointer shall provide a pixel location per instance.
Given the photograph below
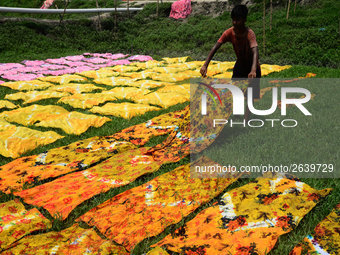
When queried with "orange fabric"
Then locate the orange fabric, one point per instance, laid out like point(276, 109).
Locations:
point(58, 161)
point(71, 241)
point(62, 195)
point(16, 222)
point(147, 210)
point(248, 219)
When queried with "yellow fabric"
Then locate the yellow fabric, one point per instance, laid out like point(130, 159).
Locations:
point(74, 88)
point(150, 64)
point(164, 100)
point(174, 77)
point(147, 84)
point(63, 79)
point(177, 60)
point(140, 75)
point(4, 125)
point(224, 75)
point(27, 85)
point(85, 101)
point(125, 68)
point(183, 89)
point(74, 123)
point(115, 81)
point(62, 195)
point(71, 241)
point(248, 219)
point(157, 251)
point(102, 73)
point(123, 110)
point(59, 161)
point(222, 65)
point(33, 96)
point(146, 210)
point(17, 141)
point(128, 92)
point(167, 70)
point(325, 239)
point(188, 65)
point(32, 114)
point(7, 104)
point(16, 222)
point(267, 69)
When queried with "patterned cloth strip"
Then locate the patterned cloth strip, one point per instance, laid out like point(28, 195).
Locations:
point(16, 222)
point(33, 96)
point(164, 100)
point(27, 85)
point(62, 195)
point(7, 104)
point(160, 125)
point(58, 161)
point(325, 239)
point(73, 240)
point(145, 211)
point(74, 88)
point(248, 219)
point(157, 251)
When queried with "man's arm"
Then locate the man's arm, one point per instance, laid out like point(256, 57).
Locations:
point(204, 68)
point(252, 73)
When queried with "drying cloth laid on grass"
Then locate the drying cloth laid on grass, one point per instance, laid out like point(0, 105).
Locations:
point(4, 125)
point(16, 222)
point(32, 114)
point(128, 92)
point(183, 89)
point(140, 75)
point(325, 239)
point(248, 219)
point(7, 104)
point(157, 251)
point(123, 110)
point(177, 60)
point(62, 195)
point(149, 64)
point(58, 161)
point(176, 146)
point(74, 123)
point(160, 125)
point(267, 69)
point(164, 100)
point(63, 79)
point(180, 9)
point(115, 81)
point(73, 240)
point(175, 77)
point(19, 140)
point(147, 84)
point(102, 73)
point(146, 210)
point(74, 88)
point(85, 101)
point(27, 85)
point(127, 68)
point(33, 96)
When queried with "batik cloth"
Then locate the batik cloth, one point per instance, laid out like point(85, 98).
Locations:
point(89, 100)
point(160, 125)
point(27, 85)
point(7, 104)
point(74, 88)
point(145, 211)
point(73, 240)
point(16, 222)
point(62, 195)
point(248, 219)
point(325, 239)
point(58, 161)
point(33, 96)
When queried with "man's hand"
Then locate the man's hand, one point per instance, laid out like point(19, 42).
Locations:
point(252, 74)
point(204, 70)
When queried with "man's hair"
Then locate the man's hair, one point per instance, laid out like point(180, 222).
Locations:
point(239, 11)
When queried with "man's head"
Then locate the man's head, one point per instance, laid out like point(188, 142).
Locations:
point(239, 15)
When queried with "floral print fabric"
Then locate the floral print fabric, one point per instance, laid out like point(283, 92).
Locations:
point(247, 220)
point(73, 240)
point(147, 210)
point(325, 239)
point(16, 222)
point(58, 161)
point(62, 195)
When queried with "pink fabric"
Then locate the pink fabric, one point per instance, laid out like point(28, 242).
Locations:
point(75, 58)
point(117, 56)
point(53, 67)
point(74, 64)
point(96, 60)
point(56, 60)
point(21, 77)
point(120, 62)
point(47, 4)
point(180, 9)
point(33, 62)
point(9, 66)
point(1, 81)
point(140, 58)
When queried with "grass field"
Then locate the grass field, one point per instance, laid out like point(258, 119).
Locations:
point(296, 42)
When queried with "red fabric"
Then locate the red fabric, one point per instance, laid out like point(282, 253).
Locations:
point(243, 51)
point(180, 9)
